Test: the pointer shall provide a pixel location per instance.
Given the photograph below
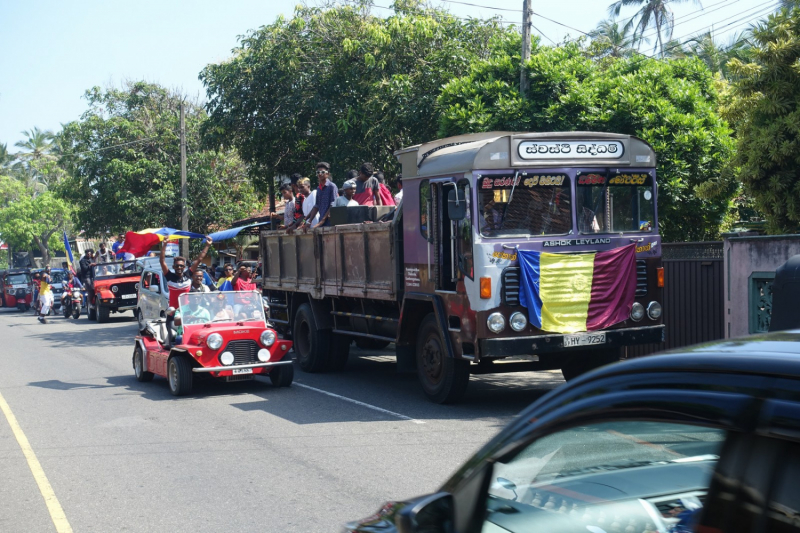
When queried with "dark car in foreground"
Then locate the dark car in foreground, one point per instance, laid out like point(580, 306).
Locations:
point(705, 439)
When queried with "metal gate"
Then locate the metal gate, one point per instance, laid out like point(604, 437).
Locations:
point(693, 296)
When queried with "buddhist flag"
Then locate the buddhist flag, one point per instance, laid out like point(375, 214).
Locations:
point(568, 293)
point(70, 257)
point(139, 243)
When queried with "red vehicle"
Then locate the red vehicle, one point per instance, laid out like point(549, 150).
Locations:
point(17, 290)
point(116, 289)
point(218, 334)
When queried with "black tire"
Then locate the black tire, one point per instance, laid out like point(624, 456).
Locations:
point(103, 314)
point(91, 313)
point(443, 379)
point(282, 376)
point(340, 352)
point(583, 362)
point(140, 320)
point(138, 366)
point(179, 375)
point(76, 312)
point(311, 345)
point(371, 344)
point(65, 310)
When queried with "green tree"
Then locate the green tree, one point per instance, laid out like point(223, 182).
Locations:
point(670, 104)
point(340, 84)
point(766, 110)
point(33, 220)
point(616, 41)
point(123, 160)
point(655, 14)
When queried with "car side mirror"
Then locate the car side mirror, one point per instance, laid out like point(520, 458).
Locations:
point(170, 311)
point(155, 288)
point(429, 514)
point(508, 485)
point(456, 204)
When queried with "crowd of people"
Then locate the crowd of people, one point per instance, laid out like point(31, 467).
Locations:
point(306, 208)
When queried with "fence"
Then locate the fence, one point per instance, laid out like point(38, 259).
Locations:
point(694, 309)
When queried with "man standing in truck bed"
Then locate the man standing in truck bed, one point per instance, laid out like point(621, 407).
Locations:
point(327, 193)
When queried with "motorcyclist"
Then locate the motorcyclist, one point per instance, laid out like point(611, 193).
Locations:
point(72, 282)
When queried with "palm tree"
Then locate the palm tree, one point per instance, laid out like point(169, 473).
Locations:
point(715, 56)
point(5, 158)
point(609, 33)
point(37, 144)
point(654, 14)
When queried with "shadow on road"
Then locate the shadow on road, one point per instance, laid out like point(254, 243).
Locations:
point(119, 332)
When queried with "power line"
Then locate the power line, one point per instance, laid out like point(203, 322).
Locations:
point(94, 150)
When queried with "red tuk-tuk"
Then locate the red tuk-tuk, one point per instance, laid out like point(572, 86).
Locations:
point(17, 290)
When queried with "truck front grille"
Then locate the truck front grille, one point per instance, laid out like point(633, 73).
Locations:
point(511, 286)
point(641, 277)
point(244, 352)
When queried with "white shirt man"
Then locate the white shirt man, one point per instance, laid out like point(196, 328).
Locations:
point(308, 205)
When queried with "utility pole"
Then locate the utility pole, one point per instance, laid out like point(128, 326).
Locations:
point(526, 47)
point(184, 207)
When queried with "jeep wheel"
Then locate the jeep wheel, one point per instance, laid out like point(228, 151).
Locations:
point(179, 372)
point(91, 313)
point(138, 366)
point(102, 314)
point(443, 378)
point(282, 375)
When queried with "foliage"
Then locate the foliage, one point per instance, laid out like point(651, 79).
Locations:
point(670, 104)
point(341, 85)
point(33, 219)
point(123, 157)
point(654, 14)
point(766, 111)
point(612, 39)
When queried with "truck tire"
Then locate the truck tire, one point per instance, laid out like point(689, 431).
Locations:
point(583, 362)
point(312, 345)
point(371, 344)
point(340, 352)
point(282, 376)
point(179, 374)
point(103, 314)
point(443, 378)
point(138, 366)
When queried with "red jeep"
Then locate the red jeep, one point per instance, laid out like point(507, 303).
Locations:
point(218, 334)
point(116, 289)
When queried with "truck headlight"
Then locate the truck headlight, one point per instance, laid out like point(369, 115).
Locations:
point(496, 322)
point(263, 355)
point(226, 358)
point(267, 337)
point(637, 312)
point(518, 321)
point(214, 341)
point(654, 310)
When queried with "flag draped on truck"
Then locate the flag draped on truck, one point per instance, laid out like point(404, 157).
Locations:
point(568, 293)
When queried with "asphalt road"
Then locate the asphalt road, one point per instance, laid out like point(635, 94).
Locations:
point(123, 456)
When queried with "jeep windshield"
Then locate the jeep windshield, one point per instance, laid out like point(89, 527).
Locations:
point(524, 204)
point(615, 202)
point(213, 307)
point(113, 269)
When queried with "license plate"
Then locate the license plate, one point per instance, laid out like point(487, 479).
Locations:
point(242, 371)
point(584, 339)
point(128, 296)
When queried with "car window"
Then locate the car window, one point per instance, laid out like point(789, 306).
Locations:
point(612, 476)
point(156, 279)
point(783, 509)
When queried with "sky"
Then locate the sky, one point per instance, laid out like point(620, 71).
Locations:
point(52, 51)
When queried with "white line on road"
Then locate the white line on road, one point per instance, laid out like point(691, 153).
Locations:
point(362, 404)
point(53, 506)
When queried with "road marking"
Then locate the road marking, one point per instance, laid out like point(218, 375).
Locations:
point(56, 512)
point(362, 404)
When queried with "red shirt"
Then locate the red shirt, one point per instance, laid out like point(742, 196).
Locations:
point(244, 285)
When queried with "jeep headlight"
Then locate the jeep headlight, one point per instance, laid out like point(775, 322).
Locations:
point(226, 358)
point(267, 337)
point(214, 341)
point(263, 355)
point(496, 322)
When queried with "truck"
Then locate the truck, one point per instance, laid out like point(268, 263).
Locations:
point(443, 277)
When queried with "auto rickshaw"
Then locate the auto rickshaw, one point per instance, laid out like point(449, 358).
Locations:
point(17, 290)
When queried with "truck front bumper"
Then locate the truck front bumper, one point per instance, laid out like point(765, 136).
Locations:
point(541, 344)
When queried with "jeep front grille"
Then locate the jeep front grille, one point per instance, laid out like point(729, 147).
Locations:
point(244, 352)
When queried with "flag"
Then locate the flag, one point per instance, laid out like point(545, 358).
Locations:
point(232, 232)
point(139, 243)
point(70, 257)
point(567, 293)
point(226, 286)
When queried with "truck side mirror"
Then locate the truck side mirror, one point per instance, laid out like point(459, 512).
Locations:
point(456, 204)
point(433, 513)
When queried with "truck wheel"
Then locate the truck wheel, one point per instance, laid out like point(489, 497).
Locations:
point(443, 379)
point(583, 362)
point(340, 351)
point(371, 344)
point(179, 372)
point(312, 345)
point(103, 314)
point(282, 376)
point(138, 366)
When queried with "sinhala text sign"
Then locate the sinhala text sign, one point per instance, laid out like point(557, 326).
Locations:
point(538, 150)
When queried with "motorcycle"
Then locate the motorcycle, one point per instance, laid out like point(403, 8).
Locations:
point(71, 302)
point(21, 295)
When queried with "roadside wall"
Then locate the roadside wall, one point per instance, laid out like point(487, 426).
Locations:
point(750, 264)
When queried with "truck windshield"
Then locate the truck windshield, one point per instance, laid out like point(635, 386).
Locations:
point(615, 202)
point(541, 204)
point(208, 307)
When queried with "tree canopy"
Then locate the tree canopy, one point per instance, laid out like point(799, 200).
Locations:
point(341, 85)
point(671, 104)
point(123, 157)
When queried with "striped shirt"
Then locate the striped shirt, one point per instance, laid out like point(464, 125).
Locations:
point(178, 285)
